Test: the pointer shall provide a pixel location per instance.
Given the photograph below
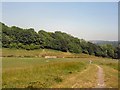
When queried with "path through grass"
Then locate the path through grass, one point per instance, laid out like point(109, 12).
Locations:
point(27, 69)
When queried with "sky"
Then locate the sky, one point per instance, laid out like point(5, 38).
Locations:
point(85, 20)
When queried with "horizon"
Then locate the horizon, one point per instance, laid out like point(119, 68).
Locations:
point(78, 19)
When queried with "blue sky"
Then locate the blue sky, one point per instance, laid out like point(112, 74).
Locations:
point(87, 20)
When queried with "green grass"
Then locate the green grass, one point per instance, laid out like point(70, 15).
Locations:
point(38, 72)
point(84, 79)
point(29, 69)
point(6, 52)
point(113, 63)
point(111, 77)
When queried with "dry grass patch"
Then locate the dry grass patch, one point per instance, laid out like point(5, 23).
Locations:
point(32, 73)
point(83, 79)
point(111, 77)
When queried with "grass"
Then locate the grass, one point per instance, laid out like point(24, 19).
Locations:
point(29, 69)
point(110, 67)
point(111, 77)
point(84, 79)
point(37, 72)
point(6, 52)
point(113, 63)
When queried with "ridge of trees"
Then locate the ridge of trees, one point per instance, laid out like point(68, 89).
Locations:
point(15, 37)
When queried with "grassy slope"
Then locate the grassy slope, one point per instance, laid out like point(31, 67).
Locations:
point(60, 72)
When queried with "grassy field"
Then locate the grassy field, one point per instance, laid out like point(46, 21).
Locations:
point(6, 52)
point(38, 72)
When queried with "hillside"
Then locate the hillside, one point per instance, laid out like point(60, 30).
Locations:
point(28, 39)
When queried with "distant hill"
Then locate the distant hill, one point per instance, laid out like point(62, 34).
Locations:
point(102, 42)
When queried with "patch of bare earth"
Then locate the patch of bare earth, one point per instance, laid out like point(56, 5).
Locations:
point(100, 80)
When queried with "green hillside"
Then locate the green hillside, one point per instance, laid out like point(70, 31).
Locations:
point(28, 39)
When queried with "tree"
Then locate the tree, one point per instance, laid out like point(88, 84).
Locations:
point(15, 37)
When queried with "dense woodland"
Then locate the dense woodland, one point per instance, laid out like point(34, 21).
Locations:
point(15, 37)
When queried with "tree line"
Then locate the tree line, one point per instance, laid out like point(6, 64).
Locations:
point(15, 37)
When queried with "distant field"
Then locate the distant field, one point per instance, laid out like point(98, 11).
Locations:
point(38, 72)
point(6, 52)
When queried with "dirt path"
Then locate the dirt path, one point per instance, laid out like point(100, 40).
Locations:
point(100, 81)
point(92, 77)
